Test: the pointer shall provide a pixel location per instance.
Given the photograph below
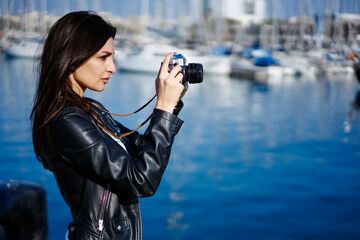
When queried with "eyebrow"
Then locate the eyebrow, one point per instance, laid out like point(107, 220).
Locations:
point(107, 52)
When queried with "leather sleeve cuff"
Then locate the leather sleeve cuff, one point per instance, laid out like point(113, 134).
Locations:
point(160, 115)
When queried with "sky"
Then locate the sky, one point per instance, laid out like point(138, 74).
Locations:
point(124, 8)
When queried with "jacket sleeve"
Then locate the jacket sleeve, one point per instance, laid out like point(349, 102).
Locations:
point(95, 155)
point(135, 136)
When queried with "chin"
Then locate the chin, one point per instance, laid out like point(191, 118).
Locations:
point(98, 89)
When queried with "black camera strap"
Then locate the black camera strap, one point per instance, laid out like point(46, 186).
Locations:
point(123, 115)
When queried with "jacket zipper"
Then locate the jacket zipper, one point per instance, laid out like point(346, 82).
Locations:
point(140, 233)
point(102, 208)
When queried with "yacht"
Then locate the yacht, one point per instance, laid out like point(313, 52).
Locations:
point(24, 49)
point(147, 58)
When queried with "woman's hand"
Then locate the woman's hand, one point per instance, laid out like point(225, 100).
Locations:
point(169, 87)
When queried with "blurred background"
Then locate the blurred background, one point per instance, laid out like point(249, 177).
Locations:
point(270, 147)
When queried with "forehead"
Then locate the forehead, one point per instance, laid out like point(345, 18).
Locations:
point(108, 46)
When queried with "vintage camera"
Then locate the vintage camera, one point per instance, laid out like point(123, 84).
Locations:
point(193, 72)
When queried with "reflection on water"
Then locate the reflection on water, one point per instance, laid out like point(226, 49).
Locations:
point(274, 161)
point(16, 86)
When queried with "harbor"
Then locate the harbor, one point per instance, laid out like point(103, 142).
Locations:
point(270, 145)
point(249, 44)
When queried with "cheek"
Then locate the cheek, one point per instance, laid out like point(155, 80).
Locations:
point(86, 74)
point(94, 71)
point(81, 76)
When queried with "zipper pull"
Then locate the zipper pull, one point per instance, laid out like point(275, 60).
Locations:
point(102, 208)
point(101, 224)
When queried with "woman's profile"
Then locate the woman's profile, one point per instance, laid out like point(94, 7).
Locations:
point(100, 173)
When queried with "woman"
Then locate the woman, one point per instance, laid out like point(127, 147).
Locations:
point(100, 175)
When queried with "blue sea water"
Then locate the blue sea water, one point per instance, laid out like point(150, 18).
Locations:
point(273, 161)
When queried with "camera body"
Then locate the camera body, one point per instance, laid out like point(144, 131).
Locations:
point(193, 72)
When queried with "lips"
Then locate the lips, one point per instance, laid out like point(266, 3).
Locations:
point(105, 80)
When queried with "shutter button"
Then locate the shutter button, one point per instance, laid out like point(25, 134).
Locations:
point(118, 227)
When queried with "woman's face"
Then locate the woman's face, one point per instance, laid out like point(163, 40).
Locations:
point(96, 71)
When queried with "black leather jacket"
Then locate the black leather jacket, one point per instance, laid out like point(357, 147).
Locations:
point(98, 179)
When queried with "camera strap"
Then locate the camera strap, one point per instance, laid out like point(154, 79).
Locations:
point(123, 115)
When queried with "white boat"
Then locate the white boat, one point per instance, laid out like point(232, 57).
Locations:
point(245, 69)
point(213, 64)
point(339, 72)
point(24, 49)
point(295, 63)
point(147, 58)
point(339, 67)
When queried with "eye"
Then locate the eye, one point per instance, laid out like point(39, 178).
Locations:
point(103, 57)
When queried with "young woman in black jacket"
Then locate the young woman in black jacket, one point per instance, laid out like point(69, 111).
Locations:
point(100, 172)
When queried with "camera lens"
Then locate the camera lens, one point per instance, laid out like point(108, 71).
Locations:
point(194, 73)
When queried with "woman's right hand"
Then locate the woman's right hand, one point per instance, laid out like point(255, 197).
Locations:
point(169, 87)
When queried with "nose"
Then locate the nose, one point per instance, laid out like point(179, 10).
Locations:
point(111, 66)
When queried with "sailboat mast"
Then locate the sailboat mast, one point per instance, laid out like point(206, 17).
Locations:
point(144, 12)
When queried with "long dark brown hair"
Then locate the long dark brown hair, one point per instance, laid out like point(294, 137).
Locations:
point(71, 41)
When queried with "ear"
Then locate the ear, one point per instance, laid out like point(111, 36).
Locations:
point(71, 77)
point(75, 85)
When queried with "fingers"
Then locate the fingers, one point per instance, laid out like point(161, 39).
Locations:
point(165, 64)
point(176, 73)
point(164, 69)
point(186, 87)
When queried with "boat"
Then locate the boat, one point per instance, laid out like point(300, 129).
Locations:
point(261, 65)
point(336, 66)
point(26, 42)
point(245, 69)
point(144, 58)
point(147, 58)
point(24, 49)
point(296, 63)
